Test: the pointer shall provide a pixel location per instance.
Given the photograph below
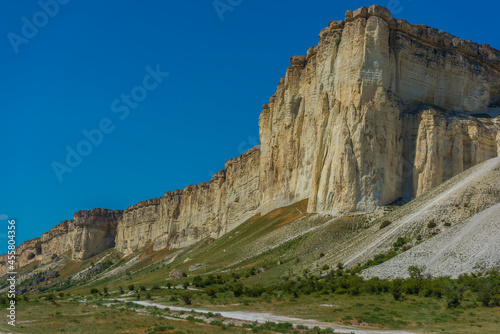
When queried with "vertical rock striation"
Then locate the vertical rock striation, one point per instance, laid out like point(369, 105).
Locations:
point(183, 217)
point(378, 104)
point(89, 233)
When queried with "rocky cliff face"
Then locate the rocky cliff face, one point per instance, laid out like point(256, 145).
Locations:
point(379, 109)
point(363, 115)
point(183, 217)
point(88, 234)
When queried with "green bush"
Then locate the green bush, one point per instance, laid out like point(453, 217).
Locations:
point(384, 224)
point(397, 288)
point(186, 298)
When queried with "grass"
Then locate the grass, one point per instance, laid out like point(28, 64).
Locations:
point(414, 313)
point(74, 317)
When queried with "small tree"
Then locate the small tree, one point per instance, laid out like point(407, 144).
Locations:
point(212, 293)
point(416, 272)
point(397, 288)
point(454, 296)
point(186, 298)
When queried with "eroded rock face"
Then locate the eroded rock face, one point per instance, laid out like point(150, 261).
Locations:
point(347, 129)
point(379, 109)
point(183, 217)
point(88, 234)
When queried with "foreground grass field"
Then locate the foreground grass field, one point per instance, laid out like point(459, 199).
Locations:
point(66, 316)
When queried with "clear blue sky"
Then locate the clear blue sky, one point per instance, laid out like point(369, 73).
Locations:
point(64, 78)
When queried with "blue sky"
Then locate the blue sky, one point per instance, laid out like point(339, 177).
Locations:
point(74, 71)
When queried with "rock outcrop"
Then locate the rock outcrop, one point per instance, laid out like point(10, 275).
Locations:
point(183, 217)
point(335, 131)
point(89, 233)
point(379, 109)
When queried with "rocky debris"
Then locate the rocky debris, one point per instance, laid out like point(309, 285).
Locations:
point(195, 267)
point(176, 273)
point(52, 274)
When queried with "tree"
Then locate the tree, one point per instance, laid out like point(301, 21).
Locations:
point(186, 298)
point(397, 288)
point(416, 272)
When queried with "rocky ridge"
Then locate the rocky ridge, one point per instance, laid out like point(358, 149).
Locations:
point(379, 109)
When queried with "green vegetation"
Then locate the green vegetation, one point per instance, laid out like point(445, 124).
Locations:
point(385, 223)
point(258, 267)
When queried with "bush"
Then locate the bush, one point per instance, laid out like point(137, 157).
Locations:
point(385, 224)
point(397, 288)
point(131, 287)
point(400, 242)
point(94, 290)
point(212, 293)
point(431, 224)
point(454, 296)
point(142, 287)
point(186, 298)
point(237, 289)
point(416, 272)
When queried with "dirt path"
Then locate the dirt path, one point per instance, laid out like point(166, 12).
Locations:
point(263, 317)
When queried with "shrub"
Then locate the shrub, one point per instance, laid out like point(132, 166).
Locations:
point(237, 289)
point(397, 288)
point(321, 254)
point(337, 42)
point(186, 298)
point(431, 224)
point(94, 290)
point(385, 224)
point(447, 224)
point(131, 287)
point(400, 242)
point(212, 293)
point(454, 296)
point(142, 287)
point(416, 272)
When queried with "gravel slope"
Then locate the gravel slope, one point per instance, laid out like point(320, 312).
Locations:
point(468, 246)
